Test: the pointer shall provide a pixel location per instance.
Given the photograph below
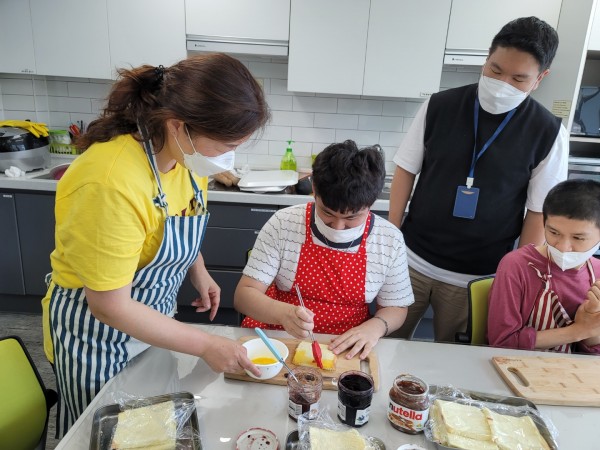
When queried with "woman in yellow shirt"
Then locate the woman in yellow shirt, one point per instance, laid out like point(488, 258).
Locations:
point(130, 218)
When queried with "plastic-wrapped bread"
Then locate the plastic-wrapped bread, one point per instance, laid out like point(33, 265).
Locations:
point(150, 427)
point(511, 432)
point(324, 439)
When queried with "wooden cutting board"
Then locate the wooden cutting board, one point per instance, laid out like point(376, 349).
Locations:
point(552, 380)
point(369, 365)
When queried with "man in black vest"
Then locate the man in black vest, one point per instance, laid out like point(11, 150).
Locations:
point(486, 155)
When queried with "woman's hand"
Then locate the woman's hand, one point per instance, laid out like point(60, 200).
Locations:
point(209, 290)
point(359, 339)
point(225, 355)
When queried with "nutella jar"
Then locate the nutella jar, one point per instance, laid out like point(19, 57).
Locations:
point(305, 393)
point(408, 408)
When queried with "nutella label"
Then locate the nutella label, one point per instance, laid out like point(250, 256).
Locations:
point(407, 418)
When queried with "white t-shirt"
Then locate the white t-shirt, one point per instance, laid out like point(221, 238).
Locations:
point(549, 172)
point(277, 250)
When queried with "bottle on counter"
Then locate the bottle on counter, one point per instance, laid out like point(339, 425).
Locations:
point(288, 162)
point(408, 407)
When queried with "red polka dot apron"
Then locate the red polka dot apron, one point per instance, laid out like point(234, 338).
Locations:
point(332, 284)
point(548, 313)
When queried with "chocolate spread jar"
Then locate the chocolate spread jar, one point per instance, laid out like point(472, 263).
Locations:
point(408, 408)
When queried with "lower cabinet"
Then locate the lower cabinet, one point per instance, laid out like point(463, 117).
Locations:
point(230, 234)
point(11, 269)
point(35, 216)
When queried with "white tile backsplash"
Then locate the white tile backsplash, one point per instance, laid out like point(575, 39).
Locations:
point(312, 120)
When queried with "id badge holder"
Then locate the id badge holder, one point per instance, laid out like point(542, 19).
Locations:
point(465, 204)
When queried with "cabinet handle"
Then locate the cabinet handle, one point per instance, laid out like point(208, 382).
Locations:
point(263, 210)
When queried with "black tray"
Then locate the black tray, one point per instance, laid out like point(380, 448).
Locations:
point(105, 421)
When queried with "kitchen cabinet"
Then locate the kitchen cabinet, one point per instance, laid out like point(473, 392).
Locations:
point(146, 32)
point(71, 38)
point(35, 216)
point(240, 19)
point(16, 45)
point(405, 47)
point(594, 42)
point(11, 269)
point(328, 44)
point(230, 234)
point(367, 47)
point(473, 23)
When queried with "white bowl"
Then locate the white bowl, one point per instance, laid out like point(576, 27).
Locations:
point(256, 348)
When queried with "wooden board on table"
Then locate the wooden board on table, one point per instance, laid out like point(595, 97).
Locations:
point(552, 380)
point(370, 365)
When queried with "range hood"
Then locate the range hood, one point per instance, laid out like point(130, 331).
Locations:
point(464, 57)
point(244, 46)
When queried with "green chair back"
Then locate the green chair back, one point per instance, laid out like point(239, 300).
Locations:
point(24, 409)
point(478, 291)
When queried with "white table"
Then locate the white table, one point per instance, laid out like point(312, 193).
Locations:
point(227, 407)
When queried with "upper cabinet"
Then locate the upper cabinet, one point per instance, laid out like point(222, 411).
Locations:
point(16, 45)
point(243, 19)
point(71, 38)
point(386, 48)
point(146, 32)
point(405, 47)
point(328, 44)
point(474, 23)
point(594, 42)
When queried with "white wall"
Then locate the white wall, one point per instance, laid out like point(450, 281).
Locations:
point(312, 120)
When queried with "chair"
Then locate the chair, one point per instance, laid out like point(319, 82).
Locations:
point(478, 291)
point(25, 400)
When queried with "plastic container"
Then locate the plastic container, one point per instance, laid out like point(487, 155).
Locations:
point(60, 143)
point(288, 162)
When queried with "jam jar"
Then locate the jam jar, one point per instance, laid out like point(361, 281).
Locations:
point(305, 393)
point(408, 408)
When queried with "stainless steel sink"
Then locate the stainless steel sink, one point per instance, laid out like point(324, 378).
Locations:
point(52, 173)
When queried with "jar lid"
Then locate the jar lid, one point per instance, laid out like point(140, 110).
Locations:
point(257, 439)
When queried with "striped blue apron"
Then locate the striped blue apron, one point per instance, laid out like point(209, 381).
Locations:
point(87, 353)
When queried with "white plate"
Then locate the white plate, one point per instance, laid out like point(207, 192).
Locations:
point(268, 178)
point(257, 439)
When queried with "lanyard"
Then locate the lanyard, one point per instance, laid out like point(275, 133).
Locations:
point(476, 155)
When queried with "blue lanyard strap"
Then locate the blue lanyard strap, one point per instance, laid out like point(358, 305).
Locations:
point(477, 155)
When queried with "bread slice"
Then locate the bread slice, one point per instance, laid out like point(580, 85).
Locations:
point(149, 427)
point(441, 435)
point(303, 356)
point(510, 432)
point(324, 439)
point(465, 420)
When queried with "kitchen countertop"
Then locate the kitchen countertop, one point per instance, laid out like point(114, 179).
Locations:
point(32, 182)
point(227, 407)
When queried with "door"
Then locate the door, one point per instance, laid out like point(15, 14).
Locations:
point(242, 19)
point(16, 44)
point(328, 41)
point(134, 36)
point(405, 48)
point(71, 38)
point(474, 23)
point(35, 216)
point(11, 270)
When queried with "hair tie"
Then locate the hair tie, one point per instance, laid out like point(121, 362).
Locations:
point(160, 73)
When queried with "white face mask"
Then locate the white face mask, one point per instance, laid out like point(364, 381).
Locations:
point(498, 97)
point(205, 166)
point(570, 260)
point(332, 235)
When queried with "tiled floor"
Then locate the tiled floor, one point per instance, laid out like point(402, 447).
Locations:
point(29, 328)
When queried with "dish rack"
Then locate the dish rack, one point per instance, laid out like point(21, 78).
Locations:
point(60, 143)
